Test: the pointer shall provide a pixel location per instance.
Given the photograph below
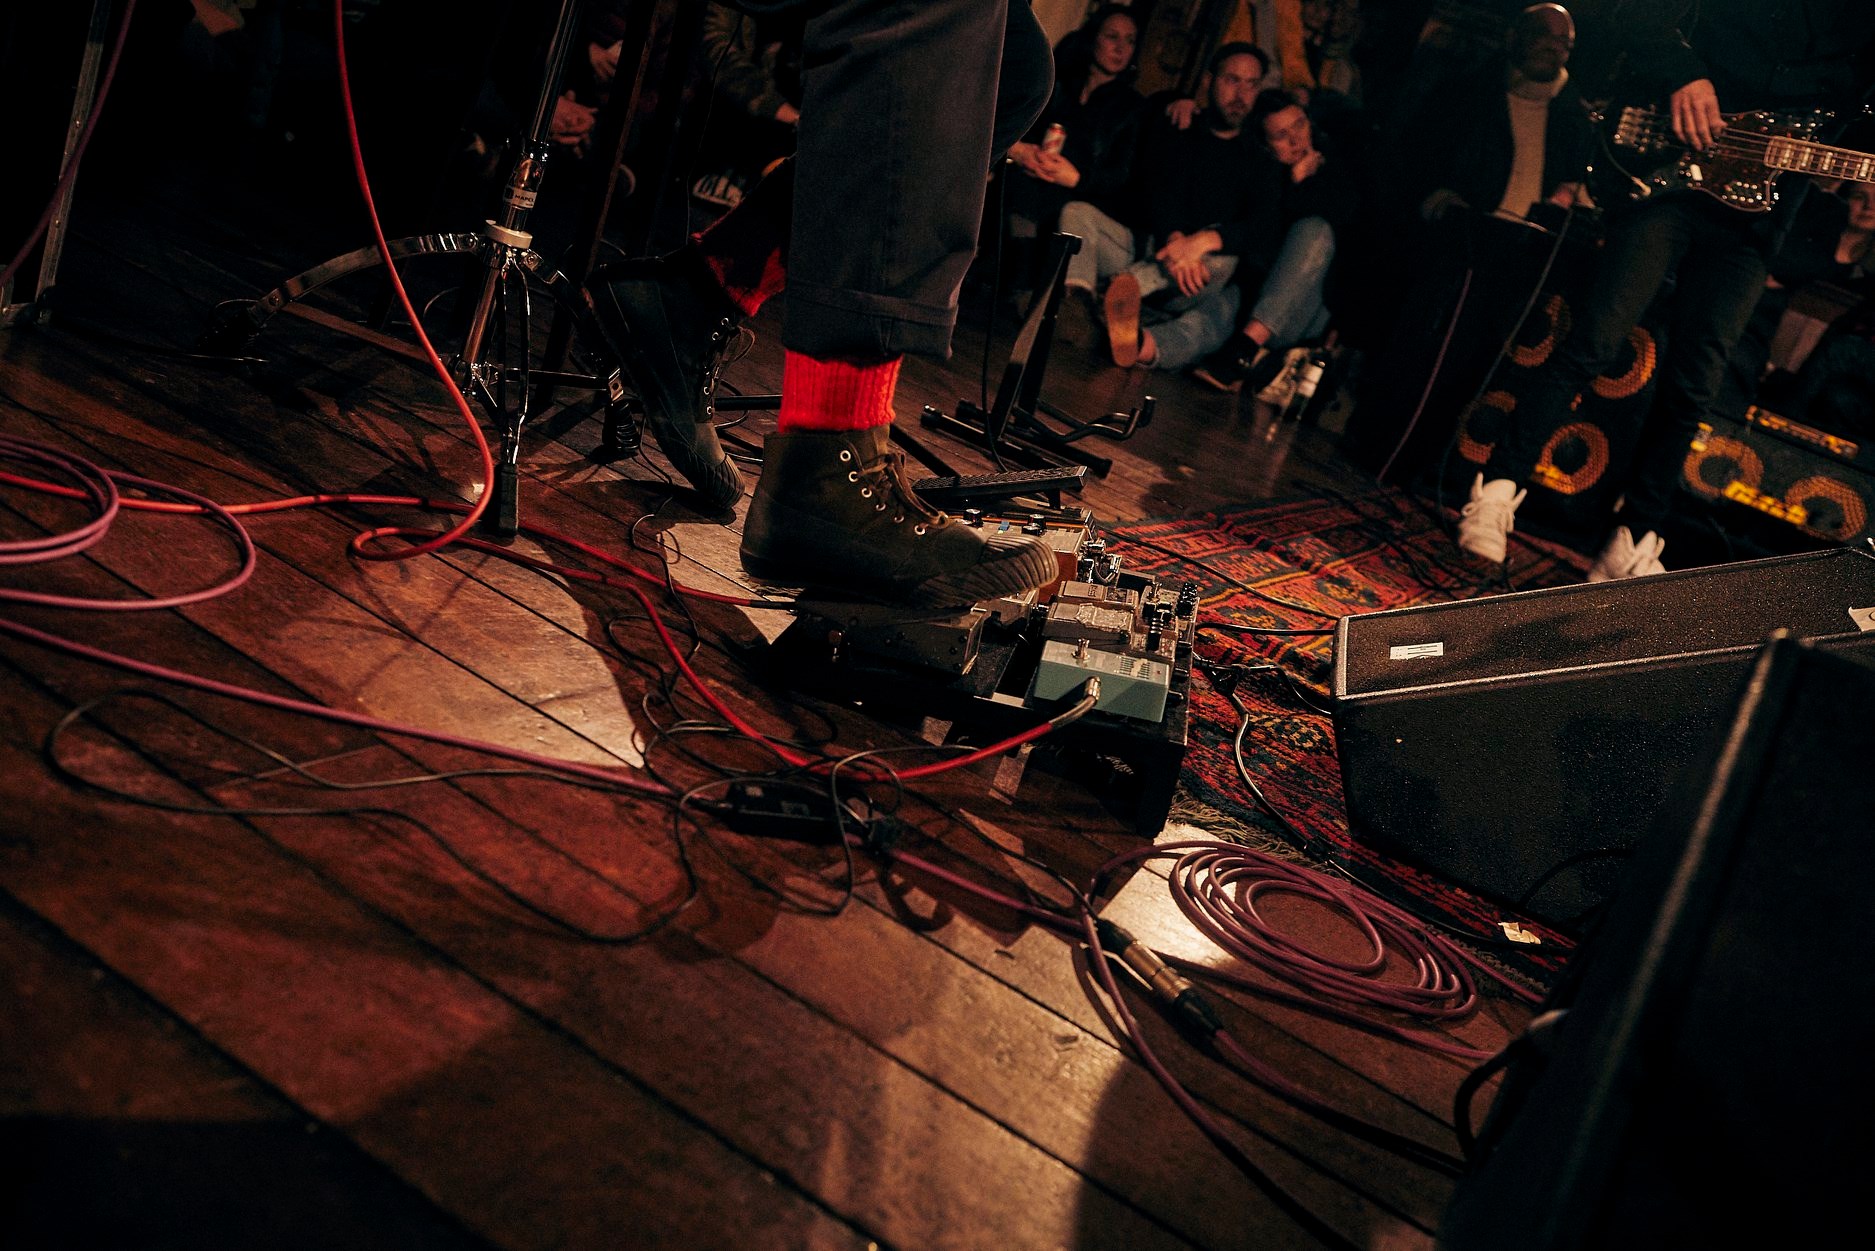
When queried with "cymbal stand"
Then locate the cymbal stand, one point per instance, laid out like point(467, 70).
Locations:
point(492, 364)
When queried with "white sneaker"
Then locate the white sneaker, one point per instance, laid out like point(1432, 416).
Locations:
point(1624, 557)
point(1282, 388)
point(1485, 524)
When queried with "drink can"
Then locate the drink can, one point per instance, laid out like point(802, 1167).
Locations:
point(1053, 138)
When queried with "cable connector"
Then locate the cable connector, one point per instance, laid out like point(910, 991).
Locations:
point(883, 833)
point(779, 810)
point(1189, 1007)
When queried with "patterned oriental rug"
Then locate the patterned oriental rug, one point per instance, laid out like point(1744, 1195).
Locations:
point(1301, 565)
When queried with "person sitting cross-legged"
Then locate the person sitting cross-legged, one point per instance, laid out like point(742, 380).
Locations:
point(1168, 243)
point(1316, 196)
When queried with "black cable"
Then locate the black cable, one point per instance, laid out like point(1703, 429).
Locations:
point(1218, 573)
point(84, 712)
point(1569, 862)
point(1536, 291)
point(1468, 1092)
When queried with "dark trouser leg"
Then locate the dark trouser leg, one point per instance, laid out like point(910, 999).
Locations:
point(897, 136)
point(1642, 250)
point(896, 139)
point(1718, 288)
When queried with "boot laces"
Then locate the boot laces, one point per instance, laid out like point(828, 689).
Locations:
point(885, 484)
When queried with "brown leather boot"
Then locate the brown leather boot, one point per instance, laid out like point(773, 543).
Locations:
point(834, 511)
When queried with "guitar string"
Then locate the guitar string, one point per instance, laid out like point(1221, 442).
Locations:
point(1657, 127)
point(1830, 159)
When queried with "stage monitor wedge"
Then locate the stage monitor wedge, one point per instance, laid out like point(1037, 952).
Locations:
point(1518, 745)
point(1708, 1082)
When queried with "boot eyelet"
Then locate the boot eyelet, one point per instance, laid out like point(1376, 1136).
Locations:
point(845, 456)
point(853, 476)
point(879, 507)
point(865, 493)
point(918, 529)
point(899, 520)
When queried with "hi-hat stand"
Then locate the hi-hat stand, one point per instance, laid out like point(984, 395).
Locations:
point(1017, 428)
point(492, 364)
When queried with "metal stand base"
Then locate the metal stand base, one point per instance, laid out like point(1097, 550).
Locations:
point(492, 365)
point(1017, 428)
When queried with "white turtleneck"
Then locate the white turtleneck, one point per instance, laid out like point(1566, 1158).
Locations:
point(1529, 103)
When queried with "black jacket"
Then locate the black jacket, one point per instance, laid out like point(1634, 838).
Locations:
point(1459, 138)
point(1759, 54)
point(1191, 180)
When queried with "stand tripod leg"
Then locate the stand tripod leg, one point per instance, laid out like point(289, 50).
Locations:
point(489, 378)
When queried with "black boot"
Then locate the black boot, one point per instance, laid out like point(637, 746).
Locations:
point(833, 511)
point(669, 324)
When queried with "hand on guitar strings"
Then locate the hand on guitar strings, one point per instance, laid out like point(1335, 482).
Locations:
point(1696, 119)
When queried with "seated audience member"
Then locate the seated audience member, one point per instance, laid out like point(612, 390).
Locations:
point(1505, 143)
point(1169, 243)
point(1829, 242)
point(1314, 196)
point(754, 64)
point(1472, 156)
point(1704, 61)
point(1097, 108)
point(1330, 30)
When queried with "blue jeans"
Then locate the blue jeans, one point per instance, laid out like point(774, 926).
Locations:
point(1185, 327)
point(1721, 268)
point(1109, 248)
point(1290, 301)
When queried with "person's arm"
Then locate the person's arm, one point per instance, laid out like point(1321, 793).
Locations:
point(1183, 257)
point(1331, 193)
point(1254, 229)
point(1666, 63)
point(728, 55)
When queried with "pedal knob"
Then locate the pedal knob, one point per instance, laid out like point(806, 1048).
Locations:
point(973, 516)
point(1035, 525)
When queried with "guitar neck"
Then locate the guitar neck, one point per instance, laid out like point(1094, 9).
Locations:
point(1802, 156)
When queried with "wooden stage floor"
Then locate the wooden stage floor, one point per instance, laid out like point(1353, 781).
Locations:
point(416, 1019)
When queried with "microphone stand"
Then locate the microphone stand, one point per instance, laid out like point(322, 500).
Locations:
point(492, 364)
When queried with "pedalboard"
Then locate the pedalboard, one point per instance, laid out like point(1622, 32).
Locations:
point(990, 669)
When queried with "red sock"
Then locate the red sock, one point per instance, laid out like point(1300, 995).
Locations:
point(836, 395)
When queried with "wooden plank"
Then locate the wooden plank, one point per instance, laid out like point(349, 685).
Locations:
point(152, 571)
point(123, 1127)
point(364, 1028)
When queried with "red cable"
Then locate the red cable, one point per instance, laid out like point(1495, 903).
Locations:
point(416, 324)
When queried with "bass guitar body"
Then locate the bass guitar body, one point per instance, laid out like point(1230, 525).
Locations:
point(1644, 159)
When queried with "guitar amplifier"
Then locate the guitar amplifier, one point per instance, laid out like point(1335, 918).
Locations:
point(1578, 478)
point(1517, 744)
point(1784, 485)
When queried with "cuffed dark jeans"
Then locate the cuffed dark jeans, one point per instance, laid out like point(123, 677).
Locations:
point(905, 103)
point(1720, 260)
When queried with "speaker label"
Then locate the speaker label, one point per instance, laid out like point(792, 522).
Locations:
point(1415, 651)
point(1864, 618)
